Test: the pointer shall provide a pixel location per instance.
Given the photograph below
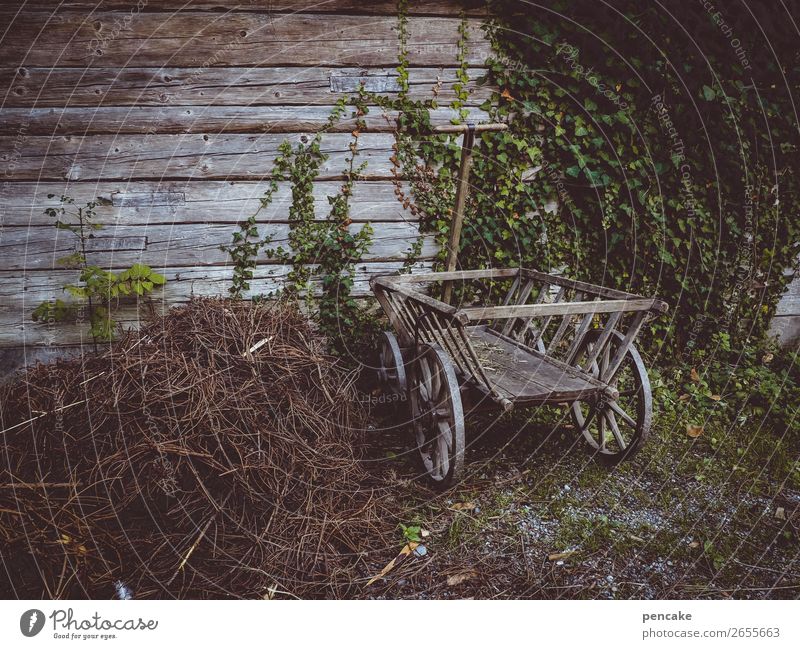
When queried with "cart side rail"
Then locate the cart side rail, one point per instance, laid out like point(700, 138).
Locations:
point(419, 318)
point(552, 315)
point(543, 313)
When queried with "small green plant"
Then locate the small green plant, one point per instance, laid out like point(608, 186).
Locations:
point(411, 533)
point(100, 288)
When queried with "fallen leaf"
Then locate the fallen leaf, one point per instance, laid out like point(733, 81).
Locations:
point(694, 375)
point(692, 430)
point(455, 580)
point(408, 548)
point(638, 539)
point(424, 533)
point(463, 506)
point(506, 94)
point(684, 397)
point(560, 555)
point(694, 544)
point(780, 514)
point(768, 357)
point(715, 397)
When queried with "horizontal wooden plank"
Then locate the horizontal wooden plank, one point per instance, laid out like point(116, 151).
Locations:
point(375, 7)
point(177, 245)
point(20, 294)
point(219, 156)
point(175, 202)
point(206, 39)
point(556, 309)
point(240, 86)
point(210, 119)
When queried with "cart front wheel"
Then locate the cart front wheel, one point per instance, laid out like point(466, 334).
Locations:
point(391, 367)
point(437, 415)
point(615, 429)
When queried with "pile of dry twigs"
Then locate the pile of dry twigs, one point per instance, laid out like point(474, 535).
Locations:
point(214, 453)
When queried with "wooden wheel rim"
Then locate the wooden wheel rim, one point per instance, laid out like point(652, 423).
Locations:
point(616, 429)
point(437, 415)
point(391, 368)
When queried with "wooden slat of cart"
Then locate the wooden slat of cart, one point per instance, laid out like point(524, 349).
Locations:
point(558, 309)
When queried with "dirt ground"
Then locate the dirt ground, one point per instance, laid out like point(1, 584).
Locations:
point(537, 517)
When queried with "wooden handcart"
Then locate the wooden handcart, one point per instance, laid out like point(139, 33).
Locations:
point(551, 340)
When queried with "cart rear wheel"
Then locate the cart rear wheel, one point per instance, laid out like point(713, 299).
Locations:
point(391, 367)
point(437, 415)
point(615, 429)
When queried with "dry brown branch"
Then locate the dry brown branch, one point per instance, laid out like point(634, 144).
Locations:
point(189, 444)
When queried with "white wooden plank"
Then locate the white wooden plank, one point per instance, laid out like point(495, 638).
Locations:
point(378, 7)
point(238, 86)
point(174, 202)
point(205, 119)
point(176, 245)
point(206, 39)
point(225, 156)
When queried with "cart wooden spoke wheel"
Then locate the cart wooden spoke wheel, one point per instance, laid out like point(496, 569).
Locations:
point(614, 428)
point(437, 414)
point(390, 367)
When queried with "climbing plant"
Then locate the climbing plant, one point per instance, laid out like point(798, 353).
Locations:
point(673, 174)
point(318, 252)
point(101, 289)
point(338, 248)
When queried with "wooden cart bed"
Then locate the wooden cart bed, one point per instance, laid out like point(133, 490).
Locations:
point(523, 374)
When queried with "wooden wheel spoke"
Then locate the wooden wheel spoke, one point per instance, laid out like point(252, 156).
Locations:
point(592, 412)
point(442, 409)
point(444, 432)
point(425, 381)
point(612, 423)
point(605, 360)
point(437, 385)
point(601, 429)
point(595, 369)
point(444, 453)
point(616, 408)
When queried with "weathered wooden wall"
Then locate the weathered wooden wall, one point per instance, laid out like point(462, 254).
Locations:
point(785, 326)
point(171, 115)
